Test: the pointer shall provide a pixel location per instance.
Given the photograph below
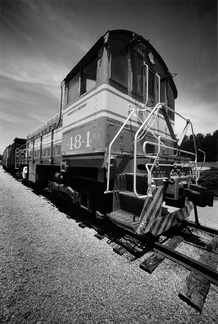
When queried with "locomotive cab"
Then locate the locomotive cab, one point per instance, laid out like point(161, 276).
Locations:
point(122, 71)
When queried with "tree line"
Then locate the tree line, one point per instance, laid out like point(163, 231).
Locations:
point(207, 143)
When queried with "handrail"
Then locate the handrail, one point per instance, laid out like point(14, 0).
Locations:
point(146, 127)
point(162, 145)
point(156, 108)
point(188, 123)
point(109, 149)
point(156, 158)
point(159, 144)
point(149, 191)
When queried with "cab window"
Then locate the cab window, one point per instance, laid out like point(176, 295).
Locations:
point(137, 69)
point(73, 89)
point(162, 90)
point(170, 100)
point(119, 62)
point(151, 83)
point(83, 81)
point(88, 76)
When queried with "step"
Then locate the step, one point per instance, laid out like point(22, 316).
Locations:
point(123, 219)
point(125, 182)
point(130, 202)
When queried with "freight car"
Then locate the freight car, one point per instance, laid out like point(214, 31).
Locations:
point(11, 158)
point(112, 148)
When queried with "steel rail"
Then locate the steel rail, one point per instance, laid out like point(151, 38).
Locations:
point(187, 262)
point(202, 228)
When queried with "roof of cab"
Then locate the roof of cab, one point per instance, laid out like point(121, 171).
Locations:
point(134, 37)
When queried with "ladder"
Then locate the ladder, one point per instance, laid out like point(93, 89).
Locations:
point(158, 142)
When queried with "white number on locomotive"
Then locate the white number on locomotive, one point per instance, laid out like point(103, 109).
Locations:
point(76, 142)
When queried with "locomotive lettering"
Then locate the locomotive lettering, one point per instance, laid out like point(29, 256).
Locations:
point(76, 142)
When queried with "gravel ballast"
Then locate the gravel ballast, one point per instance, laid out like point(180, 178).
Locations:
point(53, 271)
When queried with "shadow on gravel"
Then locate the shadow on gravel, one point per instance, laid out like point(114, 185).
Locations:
point(123, 243)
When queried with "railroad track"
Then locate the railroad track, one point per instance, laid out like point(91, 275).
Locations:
point(202, 272)
point(167, 249)
point(203, 269)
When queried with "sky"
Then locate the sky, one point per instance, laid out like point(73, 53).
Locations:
point(42, 40)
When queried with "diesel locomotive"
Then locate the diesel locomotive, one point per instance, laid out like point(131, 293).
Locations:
point(112, 148)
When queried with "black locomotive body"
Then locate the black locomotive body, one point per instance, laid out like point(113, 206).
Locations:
point(112, 148)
